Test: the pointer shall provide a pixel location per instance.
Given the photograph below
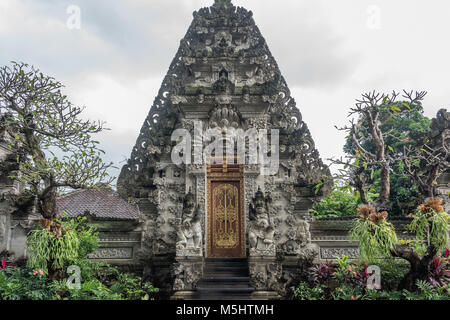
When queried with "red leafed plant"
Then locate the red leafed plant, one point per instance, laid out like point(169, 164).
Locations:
point(4, 264)
point(439, 272)
point(320, 273)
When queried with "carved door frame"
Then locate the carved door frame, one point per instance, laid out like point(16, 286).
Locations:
point(231, 173)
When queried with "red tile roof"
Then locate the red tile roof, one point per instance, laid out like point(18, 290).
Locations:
point(105, 204)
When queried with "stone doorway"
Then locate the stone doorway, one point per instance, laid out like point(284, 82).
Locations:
point(225, 211)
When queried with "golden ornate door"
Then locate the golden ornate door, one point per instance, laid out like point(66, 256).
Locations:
point(225, 213)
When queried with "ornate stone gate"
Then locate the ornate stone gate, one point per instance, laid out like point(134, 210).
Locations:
point(223, 77)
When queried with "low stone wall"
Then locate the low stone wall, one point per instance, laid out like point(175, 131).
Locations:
point(332, 236)
point(120, 242)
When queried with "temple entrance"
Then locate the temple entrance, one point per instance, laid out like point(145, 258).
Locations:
point(225, 196)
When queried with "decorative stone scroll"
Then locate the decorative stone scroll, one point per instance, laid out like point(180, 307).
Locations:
point(334, 253)
point(187, 272)
point(112, 253)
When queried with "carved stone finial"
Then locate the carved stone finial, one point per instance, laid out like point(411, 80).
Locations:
point(222, 4)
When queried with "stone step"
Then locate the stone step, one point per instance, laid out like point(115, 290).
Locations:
point(218, 260)
point(228, 290)
point(226, 265)
point(216, 278)
point(226, 274)
point(216, 297)
point(222, 285)
point(224, 279)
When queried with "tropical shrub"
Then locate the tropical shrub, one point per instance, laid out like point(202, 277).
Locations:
point(305, 292)
point(377, 239)
point(348, 281)
point(55, 244)
point(426, 292)
point(392, 272)
point(376, 236)
point(431, 224)
point(131, 288)
point(320, 273)
point(342, 202)
point(24, 284)
point(439, 273)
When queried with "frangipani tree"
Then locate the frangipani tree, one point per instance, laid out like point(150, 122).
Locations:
point(368, 150)
point(53, 143)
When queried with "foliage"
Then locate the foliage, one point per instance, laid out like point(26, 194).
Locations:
point(376, 236)
point(406, 128)
point(305, 292)
point(439, 274)
point(92, 289)
point(44, 124)
point(347, 292)
point(86, 234)
point(52, 248)
point(342, 202)
point(320, 273)
point(59, 243)
point(392, 272)
point(372, 111)
point(350, 274)
point(27, 284)
point(24, 284)
point(348, 281)
point(130, 288)
point(426, 292)
point(122, 286)
point(431, 224)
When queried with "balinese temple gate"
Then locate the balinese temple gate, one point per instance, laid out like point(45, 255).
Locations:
point(215, 228)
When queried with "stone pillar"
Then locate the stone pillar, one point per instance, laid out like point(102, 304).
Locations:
point(187, 272)
point(188, 268)
point(265, 274)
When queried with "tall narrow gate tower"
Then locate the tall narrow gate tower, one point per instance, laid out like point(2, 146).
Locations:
point(224, 77)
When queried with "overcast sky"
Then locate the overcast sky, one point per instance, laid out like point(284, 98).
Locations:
point(328, 51)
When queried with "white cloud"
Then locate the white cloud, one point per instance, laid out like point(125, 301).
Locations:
point(115, 64)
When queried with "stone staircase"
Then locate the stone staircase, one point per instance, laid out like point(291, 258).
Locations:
point(224, 279)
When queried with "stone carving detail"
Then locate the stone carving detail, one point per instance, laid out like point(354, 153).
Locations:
point(298, 237)
point(189, 231)
point(261, 230)
point(265, 275)
point(334, 253)
point(187, 274)
point(112, 253)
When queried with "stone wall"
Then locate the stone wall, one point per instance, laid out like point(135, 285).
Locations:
point(120, 242)
point(332, 237)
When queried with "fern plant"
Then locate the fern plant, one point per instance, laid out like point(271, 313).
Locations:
point(431, 224)
point(55, 244)
point(375, 234)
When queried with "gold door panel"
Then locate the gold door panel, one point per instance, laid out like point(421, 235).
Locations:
point(225, 216)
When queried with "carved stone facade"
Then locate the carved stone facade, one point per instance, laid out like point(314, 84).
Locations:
point(225, 77)
point(14, 223)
